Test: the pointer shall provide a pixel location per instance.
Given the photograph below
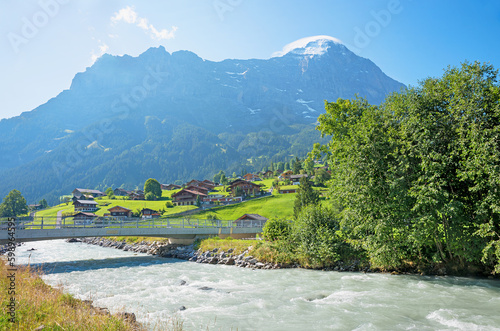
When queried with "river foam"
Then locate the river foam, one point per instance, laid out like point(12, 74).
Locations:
point(225, 297)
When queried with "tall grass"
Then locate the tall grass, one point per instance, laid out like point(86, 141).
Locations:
point(39, 304)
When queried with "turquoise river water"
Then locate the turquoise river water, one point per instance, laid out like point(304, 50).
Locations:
point(220, 297)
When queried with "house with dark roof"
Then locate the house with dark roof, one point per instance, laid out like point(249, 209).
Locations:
point(85, 205)
point(248, 188)
point(251, 220)
point(149, 213)
point(83, 218)
point(295, 179)
point(251, 177)
point(198, 189)
point(79, 192)
point(187, 197)
point(169, 187)
point(120, 192)
point(136, 195)
point(119, 211)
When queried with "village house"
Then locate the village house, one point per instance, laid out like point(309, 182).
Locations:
point(187, 197)
point(286, 174)
point(136, 195)
point(248, 188)
point(266, 174)
point(34, 207)
point(295, 179)
point(119, 211)
point(83, 218)
point(79, 192)
point(251, 177)
point(209, 185)
point(197, 189)
point(250, 220)
point(120, 192)
point(85, 205)
point(149, 213)
point(287, 189)
point(169, 187)
point(221, 199)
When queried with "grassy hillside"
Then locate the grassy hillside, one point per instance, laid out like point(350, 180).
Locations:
point(280, 206)
point(105, 204)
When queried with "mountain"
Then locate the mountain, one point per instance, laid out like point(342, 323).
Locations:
point(175, 116)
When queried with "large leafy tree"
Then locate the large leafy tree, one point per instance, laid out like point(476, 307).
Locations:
point(14, 204)
point(152, 186)
point(417, 178)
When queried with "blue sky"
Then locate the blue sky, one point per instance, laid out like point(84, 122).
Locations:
point(44, 43)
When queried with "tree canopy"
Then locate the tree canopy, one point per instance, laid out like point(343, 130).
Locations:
point(14, 204)
point(152, 186)
point(418, 177)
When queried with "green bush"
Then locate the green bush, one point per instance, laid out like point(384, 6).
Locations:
point(276, 229)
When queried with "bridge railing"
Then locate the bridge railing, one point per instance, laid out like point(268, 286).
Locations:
point(46, 223)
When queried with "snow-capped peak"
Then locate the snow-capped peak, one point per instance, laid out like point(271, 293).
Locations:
point(315, 45)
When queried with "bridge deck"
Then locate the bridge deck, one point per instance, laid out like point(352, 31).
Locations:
point(24, 231)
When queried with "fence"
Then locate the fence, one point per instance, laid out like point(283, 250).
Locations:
point(40, 223)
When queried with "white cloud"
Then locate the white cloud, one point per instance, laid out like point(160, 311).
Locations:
point(102, 49)
point(126, 14)
point(130, 16)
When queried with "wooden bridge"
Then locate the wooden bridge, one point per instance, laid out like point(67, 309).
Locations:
point(25, 230)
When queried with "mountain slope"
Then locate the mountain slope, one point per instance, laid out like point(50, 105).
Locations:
point(177, 116)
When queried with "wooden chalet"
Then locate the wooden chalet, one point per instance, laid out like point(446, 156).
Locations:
point(120, 192)
point(198, 189)
point(149, 213)
point(169, 187)
point(119, 211)
point(287, 190)
point(136, 195)
point(251, 177)
point(267, 174)
point(187, 197)
point(79, 192)
point(286, 174)
point(221, 199)
point(83, 218)
point(247, 187)
point(295, 179)
point(34, 207)
point(85, 205)
point(208, 184)
point(251, 220)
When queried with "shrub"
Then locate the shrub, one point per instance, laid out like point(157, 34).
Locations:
point(276, 229)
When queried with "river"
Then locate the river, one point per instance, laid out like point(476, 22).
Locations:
point(221, 297)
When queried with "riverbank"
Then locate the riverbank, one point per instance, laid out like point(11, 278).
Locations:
point(252, 254)
point(259, 254)
point(38, 306)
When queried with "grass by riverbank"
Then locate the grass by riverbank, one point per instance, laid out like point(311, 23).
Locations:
point(264, 251)
point(39, 304)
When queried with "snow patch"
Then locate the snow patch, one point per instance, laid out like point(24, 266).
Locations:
point(253, 111)
point(316, 45)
